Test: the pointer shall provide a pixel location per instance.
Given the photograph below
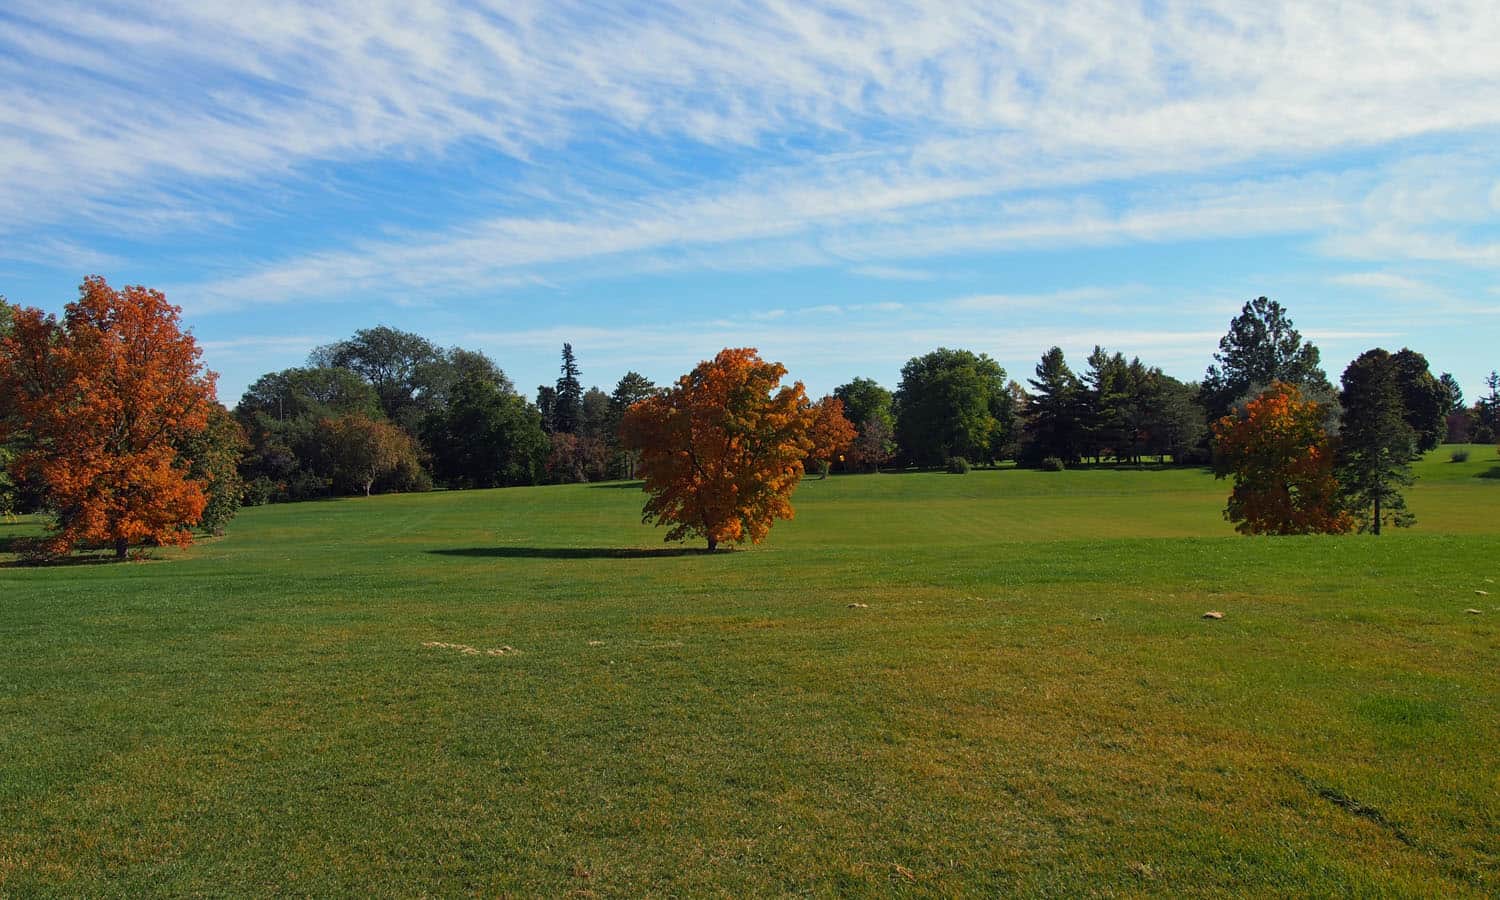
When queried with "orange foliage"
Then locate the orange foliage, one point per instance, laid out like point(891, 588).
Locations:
point(106, 394)
point(1282, 465)
point(722, 450)
point(831, 433)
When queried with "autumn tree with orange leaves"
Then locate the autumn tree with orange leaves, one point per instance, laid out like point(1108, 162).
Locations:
point(1282, 463)
point(722, 449)
point(831, 433)
point(107, 396)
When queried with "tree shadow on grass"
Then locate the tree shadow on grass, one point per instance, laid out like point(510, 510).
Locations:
point(571, 552)
point(1492, 472)
point(636, 485)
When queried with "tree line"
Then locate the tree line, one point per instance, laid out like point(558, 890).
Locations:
point(389, 410)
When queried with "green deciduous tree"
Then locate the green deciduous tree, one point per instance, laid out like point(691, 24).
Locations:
point(952, 403)
point(1423, 397)
point(487, 436)
point(362, 450)
point(213, 456)
point(406, 370)
point(871, 408)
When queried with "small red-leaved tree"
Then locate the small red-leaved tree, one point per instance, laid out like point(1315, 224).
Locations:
point(1282, 464)
point(831, 433)
point(107, 395)
point(721, 450)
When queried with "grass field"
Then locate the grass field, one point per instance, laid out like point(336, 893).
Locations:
point(929, 684)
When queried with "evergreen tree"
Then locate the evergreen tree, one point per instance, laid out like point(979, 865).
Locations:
point(1106, 404)
point(546, 404)
point(1376, 443)
point(1053, 409)
point(1487, 410)
point(1261, 347)
point(1454, 399)
point(567, 415)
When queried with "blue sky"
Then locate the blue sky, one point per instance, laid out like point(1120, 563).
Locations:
point(843, 185)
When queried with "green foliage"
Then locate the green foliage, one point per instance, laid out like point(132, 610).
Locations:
point(1051, 464)
point(1453, 395)
point(872, 410)
point(213, 457)
point(9, 490)
point(1261, 347)
point(486, 437)
point(406, 370)
point(1376, 443)
point(1423, 397)
point(1487, 409)
point(952, 403)
point(567, 414)
point(632, 388)
point(1055, 410)
point(306, 392)
point(957, 465)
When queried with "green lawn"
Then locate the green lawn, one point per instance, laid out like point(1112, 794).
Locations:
point(1027, 700)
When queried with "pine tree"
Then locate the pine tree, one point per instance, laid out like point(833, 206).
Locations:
point(1376, 444)
point(1054, 409)
point(567, 416)
point(1261, 347)
point(546, 404)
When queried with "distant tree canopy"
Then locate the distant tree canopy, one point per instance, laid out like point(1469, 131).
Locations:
point(487, 436)
point(1261, 347)
point(319, 429)
point(407, 371)
point(871, 408)
point(952, 403)
point(1424, 399)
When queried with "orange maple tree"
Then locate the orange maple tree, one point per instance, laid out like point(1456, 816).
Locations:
point(830, 432)
point(1282, 463)
point(722, 449)
point(107, 394)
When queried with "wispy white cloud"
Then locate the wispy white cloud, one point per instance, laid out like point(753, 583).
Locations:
point(117, 101)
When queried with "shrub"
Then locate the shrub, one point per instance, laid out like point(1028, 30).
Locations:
point(957, 465)
point(1052, 464)
point(258, 492)
point(1459, 456)
point(1482, 434)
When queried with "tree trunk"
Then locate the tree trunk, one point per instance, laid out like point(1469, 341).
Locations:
point(712, 545)
point(367, 487)
point(122, 548)
point(1377, 512)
